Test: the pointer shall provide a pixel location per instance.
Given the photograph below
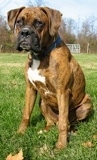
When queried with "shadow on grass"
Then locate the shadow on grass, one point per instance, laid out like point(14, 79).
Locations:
point(35, 119)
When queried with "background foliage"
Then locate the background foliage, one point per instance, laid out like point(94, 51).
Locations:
point(71, 31)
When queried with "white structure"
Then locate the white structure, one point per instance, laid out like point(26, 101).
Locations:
point(74, 48)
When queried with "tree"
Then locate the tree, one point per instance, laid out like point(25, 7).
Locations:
point(87, 36)
point(6, 42)
point(67, 31)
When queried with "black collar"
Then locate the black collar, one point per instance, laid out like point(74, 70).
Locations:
point(49, 49)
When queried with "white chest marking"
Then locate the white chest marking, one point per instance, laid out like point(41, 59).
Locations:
point(33, 73)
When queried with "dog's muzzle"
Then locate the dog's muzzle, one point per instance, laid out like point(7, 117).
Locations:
point(28, 39)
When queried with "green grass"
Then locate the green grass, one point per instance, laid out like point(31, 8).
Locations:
point(35, 146)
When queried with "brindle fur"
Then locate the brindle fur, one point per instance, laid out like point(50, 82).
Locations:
point(63, 97)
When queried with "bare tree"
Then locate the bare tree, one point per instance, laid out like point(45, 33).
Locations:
point(6, 41)
point(67, 31)
point(87, 36)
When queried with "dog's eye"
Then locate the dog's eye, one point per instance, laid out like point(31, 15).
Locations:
point(38, 24)
point(19, 22)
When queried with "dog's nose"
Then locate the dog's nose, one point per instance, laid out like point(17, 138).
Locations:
point(25, 32)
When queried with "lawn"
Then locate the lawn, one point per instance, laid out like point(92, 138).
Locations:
point(82, 144)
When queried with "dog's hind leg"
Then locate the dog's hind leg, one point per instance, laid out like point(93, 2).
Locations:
point(50, 116)
point(84, 109)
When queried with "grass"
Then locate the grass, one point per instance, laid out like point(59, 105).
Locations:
point(35, 146)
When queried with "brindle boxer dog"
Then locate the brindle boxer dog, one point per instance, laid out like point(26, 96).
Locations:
point(51, 70)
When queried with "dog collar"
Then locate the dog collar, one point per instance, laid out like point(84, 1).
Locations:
point(49, 49)
point(53, 45)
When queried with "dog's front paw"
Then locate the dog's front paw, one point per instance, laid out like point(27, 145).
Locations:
point(61, 145)
point(23, 127)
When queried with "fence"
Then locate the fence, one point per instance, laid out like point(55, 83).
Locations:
point(74, 48)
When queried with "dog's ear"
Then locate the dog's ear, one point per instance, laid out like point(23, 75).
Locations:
point(55, 18)
point(12, 16)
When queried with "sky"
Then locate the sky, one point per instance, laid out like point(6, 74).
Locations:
point(74, 9)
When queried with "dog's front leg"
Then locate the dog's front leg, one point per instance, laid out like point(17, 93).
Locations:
point(29, 104)
point(63, 104)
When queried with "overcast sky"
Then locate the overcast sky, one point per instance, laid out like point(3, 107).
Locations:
point(74, 9)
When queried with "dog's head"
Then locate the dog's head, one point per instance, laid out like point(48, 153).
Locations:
point(34, 27)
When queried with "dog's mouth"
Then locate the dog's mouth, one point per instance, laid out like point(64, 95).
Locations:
point(28, 40)
point(28, 46)
point(24, 46)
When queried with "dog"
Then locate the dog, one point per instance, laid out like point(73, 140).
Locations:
point(51, 71)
